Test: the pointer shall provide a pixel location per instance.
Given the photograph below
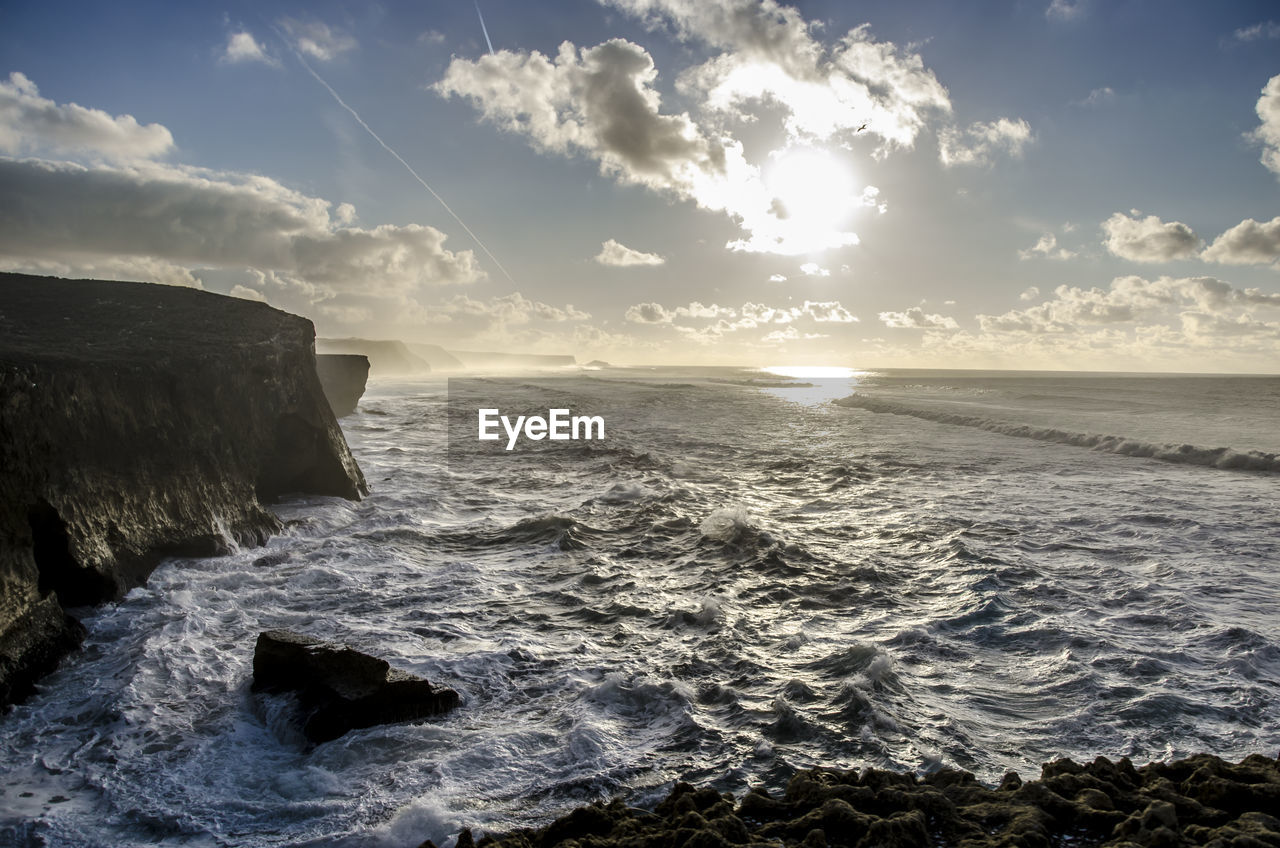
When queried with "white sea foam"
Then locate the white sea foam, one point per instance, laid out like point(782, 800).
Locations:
point(617, 619)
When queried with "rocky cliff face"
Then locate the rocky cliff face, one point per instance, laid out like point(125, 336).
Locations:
point(343, 377)
point(139, 421)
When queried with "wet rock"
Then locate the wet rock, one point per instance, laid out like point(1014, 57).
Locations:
point(343, 377)
point(339, 688)
point(139, 421)
point(1098, 804)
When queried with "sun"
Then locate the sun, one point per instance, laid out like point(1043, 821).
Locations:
point(812, 189)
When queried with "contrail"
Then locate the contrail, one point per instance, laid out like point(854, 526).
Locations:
point(399, 158)
point(484, 28)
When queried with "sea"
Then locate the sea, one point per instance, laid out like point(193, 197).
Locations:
point(753, 572)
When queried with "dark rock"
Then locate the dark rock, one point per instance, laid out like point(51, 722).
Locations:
point(139, 421)
point(825, 807)
point(339, 688)
point(343, 377)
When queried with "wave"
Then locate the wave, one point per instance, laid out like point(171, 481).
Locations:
point(1224, 458)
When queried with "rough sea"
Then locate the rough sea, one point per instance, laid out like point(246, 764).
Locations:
point(748, 576)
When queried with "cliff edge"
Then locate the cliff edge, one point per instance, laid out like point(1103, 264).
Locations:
point(139, 421)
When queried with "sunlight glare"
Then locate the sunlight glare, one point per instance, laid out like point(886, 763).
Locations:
point(813, 187)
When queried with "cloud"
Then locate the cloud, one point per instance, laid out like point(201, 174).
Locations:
point(141, 269)
point(1268, 133)
point(1248, 243)
point(648, 313)
point(507, 310)
point(1099, 96)
point(243, 47)
point(1047, 247)
point(830, 311)
point(980, 142)
point(601, 102)
point(1129, 300)
point(777, 278)
point(813, 269)
point(316, 39)
point(724, 320)
point(620, 256)
point(246, 293)
point(915, 318)
point(31, 123)
point(789, 334)
point(1148, 239)
point(1266, 30)
point(1030, 293)
point(1065, 10)
point(199, 217)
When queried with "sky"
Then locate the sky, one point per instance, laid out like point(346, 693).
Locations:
point(1047, 184)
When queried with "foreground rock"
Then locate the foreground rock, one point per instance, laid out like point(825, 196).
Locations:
point(343, 377)
point(339, 688)
point(139, 421)
point(1201, 800)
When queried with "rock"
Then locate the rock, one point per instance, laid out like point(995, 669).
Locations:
point(139, 421)
point(880, 808)
point(437, 357)
point(387, 358)
point(343, 377)
point(339, 688)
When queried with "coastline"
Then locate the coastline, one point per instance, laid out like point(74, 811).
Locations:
point(1199, 800)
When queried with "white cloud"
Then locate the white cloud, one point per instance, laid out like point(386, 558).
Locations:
point(813, 269)
point(915, 318)
point(505, 311)
point(601, 102)
point(980, 142)
point(1248, 243)
point(199, 217)
point(648, 313)
point(1100, 96)
point(243, 47)
point(1268, 133)
point(829, 311)
point(1065, 10)
point(620, 256)
point(1258, 32)
point(31, 123)
point(318, 40)
point(1047, 247)
point(246, 293)
point(777, 278)
point(1130, 300)
point(1030, 294)
point(1149, 239)
point(138, 269)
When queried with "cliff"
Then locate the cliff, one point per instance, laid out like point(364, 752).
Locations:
point(343, 377)
point(139, 421)
point(516, 361)
point(437, 357)
point(389, 358)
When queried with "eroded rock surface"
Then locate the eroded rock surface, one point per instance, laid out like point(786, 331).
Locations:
point(1201, 800)
point(139, 421)
point(343, 377)
point(339, 688)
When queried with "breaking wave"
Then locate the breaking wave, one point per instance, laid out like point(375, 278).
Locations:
point(1224, 457)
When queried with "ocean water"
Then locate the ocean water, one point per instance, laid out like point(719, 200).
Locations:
point(746, 577)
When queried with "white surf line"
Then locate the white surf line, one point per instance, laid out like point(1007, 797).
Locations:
point(399, 158)
point(484, 28)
